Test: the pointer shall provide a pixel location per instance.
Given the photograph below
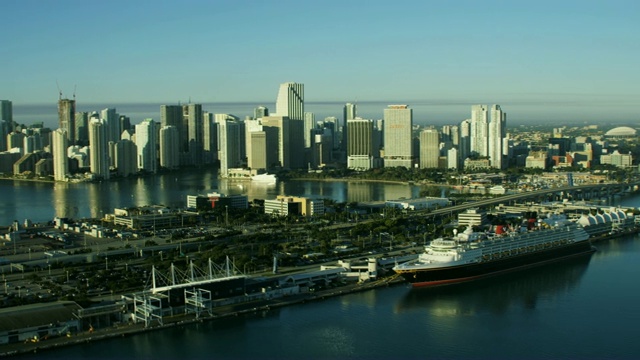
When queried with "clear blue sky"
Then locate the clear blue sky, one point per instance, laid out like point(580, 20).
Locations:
point(578, 53)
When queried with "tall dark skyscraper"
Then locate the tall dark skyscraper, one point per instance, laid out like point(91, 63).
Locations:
point(67, 118)
point(192, 122)
point(82, 128)
point(6, 112)
point(171, 115)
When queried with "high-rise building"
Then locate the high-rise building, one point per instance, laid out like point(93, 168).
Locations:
point(99, 149)
point(398, 149)
point(257, 150)
point(290, 101)
point(4, 131)
point(169, 154)
point(429, 148)
point(260, 112)
point(322, 149)
point(290, 104)
point(112, 121)
point(82, 128)
point(465, 140)
point(171, 115)
point(360, 151)
point(349, 112)
point(59, 152)
point(67, 118)
point(330, 123)
point(251, 126)
point(452, 159)
point(147, 144)
point(6, 113)
point(15, 140)
point(125, 124)
point(29, 144)
point(279, 127)
point(126, 157)
point(229, 143)
point(193, 133)
point(309, 124)
point(497, 135)
point(479, 137)
point(209, 138)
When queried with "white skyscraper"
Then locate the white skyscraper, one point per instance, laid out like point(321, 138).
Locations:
point(309, 124)
point(290, 101)
point(360, 144)
point(465, 140)
point(452, 159)
point(229, 144)
point(98, 149)
point(349, 112)
point(497, 135)
point(146, 143)
point(479, 130)
point(59, 152)
point(290, 104)
point(112, 121)
point(429, 148)
point(398, 149)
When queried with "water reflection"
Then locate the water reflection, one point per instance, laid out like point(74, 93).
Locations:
point(497, 295)
point(41, 202)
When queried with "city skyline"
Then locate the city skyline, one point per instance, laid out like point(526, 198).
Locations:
point(572, 61)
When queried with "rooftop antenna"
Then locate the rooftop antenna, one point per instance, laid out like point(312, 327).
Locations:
point(59, 91)
point(74, 92)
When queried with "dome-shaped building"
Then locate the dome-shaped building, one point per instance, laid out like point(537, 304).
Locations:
point(621, 132)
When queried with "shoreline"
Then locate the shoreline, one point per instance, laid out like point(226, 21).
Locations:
point(222, 312)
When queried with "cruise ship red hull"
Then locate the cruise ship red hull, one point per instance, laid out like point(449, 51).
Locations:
point(464, 273)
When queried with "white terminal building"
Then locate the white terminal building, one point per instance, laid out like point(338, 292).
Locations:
point(419, 203)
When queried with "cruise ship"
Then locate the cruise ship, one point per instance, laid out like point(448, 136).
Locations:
point(470, 255)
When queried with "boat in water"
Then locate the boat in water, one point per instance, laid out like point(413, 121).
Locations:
point(473, 255)
point(264, 178)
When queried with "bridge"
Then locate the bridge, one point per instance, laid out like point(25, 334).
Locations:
point(577, 192)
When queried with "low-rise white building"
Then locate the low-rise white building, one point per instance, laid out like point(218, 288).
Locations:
point(419, 203)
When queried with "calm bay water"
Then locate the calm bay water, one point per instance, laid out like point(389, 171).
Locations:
point(41, 202)
point(584, 308)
